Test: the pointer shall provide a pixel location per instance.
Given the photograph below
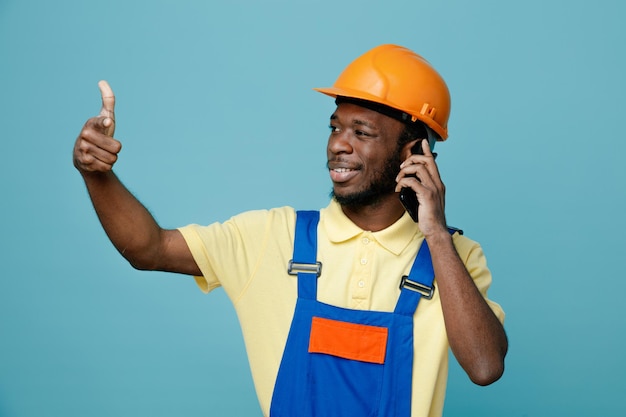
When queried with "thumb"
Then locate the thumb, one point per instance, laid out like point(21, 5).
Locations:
point(108, 107)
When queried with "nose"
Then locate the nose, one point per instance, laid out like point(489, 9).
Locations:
point(339, 143)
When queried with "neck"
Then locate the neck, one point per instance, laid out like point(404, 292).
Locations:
point(377, 216)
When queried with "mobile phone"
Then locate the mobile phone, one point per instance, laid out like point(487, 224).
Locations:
point(407, 195)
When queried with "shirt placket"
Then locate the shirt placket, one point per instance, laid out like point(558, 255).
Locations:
point(361, 282)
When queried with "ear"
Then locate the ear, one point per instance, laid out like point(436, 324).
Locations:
point(406, 149)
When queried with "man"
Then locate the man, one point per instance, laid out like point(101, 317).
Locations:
point(329, 302)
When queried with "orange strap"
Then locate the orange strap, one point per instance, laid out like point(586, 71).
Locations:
point(348, 340)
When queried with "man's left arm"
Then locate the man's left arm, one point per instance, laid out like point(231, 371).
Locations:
point(476, 336)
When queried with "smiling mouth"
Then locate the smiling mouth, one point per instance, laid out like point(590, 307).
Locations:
point(342, 175)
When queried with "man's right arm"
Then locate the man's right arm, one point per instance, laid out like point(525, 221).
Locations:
point(129, 225)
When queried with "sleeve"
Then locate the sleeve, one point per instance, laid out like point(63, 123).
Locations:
point(476, 263)
point(227, 253)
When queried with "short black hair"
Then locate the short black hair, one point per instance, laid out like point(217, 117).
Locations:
point(412, 131)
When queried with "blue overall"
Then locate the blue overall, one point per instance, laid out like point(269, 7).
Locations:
point(321, 379)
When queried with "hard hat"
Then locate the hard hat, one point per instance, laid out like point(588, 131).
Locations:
point(398, 78)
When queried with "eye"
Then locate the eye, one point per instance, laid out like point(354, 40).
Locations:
point(360, 133)
point(332, 128)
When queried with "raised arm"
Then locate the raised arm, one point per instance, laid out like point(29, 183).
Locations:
point(129, 225)
point(476, 336)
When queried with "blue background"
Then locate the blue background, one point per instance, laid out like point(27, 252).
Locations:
point(216, 115)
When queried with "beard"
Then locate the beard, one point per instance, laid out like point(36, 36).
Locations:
point(382, 184)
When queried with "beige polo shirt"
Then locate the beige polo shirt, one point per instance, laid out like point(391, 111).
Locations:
point(248, 256)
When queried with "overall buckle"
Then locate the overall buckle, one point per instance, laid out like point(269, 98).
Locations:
point(295, 267)
point(426, 291)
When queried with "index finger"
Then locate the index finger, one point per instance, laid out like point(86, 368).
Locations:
point(108, 100)
point(426, 148)
point(433, 169)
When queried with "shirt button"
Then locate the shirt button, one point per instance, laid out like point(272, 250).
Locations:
point(365, 241)
point(363, 261)
point(361, 284)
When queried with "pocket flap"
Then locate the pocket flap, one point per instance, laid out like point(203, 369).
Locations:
point(348, 340)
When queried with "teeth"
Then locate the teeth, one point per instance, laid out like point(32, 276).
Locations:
point(342, 170)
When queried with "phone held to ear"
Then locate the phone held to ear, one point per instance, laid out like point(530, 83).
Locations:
point(407, 195)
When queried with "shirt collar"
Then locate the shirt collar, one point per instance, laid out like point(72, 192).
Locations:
point(395, 238)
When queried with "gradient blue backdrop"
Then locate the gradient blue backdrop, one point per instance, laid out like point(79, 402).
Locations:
point(216, 115)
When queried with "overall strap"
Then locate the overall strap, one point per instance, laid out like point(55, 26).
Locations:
point(303, 264)
point(419, 282)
